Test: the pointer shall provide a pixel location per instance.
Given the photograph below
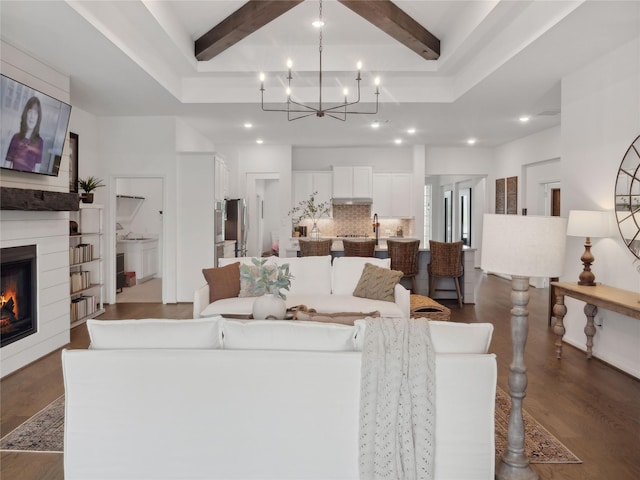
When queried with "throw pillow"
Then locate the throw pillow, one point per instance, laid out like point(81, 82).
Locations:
point(248, 287)
point(224, 282)
point(377, 283)
point(344, 318)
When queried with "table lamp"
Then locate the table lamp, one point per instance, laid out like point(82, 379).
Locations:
point(586, 223)
point(522, 247)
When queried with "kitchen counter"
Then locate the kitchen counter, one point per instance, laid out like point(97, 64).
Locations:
point(467, 282)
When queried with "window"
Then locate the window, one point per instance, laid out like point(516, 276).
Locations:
point(465, 215)
point(448, 216)
point(427, 214)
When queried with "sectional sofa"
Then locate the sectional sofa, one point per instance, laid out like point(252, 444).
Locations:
point(317, 283)
point(227, 399)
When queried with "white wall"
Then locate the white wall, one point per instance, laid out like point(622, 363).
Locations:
point(600, 119)
point(195, 229)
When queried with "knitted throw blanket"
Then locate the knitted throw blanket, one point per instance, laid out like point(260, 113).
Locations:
point(397, 400)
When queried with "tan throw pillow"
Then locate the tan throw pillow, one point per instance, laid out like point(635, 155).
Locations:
point(224, 282)
point(377, 283)
point(344, 318)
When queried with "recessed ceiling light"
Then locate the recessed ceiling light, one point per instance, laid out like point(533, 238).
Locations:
point(398, 141)
point(375, 124)
point(471, 141)
point(318, 23)
point(411, 131)
point(524, 118)
point(259, 141)
point(248, 125)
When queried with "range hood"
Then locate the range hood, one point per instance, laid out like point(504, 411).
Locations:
point(352, 201)
point(127, 207)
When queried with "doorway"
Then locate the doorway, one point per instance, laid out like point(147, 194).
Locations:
point(263, 211)
point(139, 236)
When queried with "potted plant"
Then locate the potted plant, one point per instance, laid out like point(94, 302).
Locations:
point(312, 210)
point(267, 279)
point(88, 185)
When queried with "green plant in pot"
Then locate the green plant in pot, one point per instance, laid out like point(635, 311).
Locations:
point(88, 185)
point(264, 280)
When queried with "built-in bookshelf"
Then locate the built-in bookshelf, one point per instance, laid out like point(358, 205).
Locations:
point(86, 265)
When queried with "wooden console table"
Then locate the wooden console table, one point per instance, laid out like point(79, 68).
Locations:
point(617, 300)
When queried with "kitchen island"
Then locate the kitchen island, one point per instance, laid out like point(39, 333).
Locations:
point(467, 282)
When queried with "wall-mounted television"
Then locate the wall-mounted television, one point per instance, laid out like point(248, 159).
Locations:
point(33, 128)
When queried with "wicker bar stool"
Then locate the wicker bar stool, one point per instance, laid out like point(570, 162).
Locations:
point(315, 248)
point(446, 261)
point(359, 248)
point(404, 257)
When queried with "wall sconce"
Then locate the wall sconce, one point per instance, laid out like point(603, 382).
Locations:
point(587, 223)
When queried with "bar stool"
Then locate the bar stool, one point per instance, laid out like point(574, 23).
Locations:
point(359, 248)
point(446, 261)
point(315, 248)
point(404, 257)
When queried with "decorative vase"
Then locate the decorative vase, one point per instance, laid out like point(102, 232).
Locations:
point(314, 234)
point(269, 306)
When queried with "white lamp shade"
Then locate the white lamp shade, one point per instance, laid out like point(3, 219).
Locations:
point(525, 246)
point(588, 223)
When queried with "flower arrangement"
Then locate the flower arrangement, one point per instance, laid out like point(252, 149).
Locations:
point(309, 209)
point(267, 278)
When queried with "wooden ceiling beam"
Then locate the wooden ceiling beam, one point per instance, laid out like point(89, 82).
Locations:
point(252, 16)
point(389, 18)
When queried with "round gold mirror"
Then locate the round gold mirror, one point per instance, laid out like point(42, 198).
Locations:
point(628, 198)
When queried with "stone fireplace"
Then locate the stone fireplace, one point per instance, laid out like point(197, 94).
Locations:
point(18, 290)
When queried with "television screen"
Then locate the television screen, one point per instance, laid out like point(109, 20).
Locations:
point(33, 128)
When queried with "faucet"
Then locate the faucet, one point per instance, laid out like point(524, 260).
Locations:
point(376, 226)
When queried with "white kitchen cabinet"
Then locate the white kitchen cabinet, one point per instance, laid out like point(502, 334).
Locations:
point(305, 183)
point(352, 182)
point(392, 195)
point(141, 257)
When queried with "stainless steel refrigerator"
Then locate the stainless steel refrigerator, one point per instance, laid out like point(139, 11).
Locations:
point(235, 226)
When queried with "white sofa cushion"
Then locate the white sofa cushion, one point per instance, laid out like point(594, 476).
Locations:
point(310, 274)
point(346, 272)
point(154, 333)
point(223, 262)
point(287, 335)
point(451, 337)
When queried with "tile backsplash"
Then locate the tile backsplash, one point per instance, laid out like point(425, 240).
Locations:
point(358, 220)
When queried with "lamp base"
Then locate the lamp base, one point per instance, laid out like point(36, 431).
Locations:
point(587, 278)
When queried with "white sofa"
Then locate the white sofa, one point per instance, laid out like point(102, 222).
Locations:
point(255, 400)
point(317, 283)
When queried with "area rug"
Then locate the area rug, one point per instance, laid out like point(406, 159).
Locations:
point(44, 432)
point(539, 444)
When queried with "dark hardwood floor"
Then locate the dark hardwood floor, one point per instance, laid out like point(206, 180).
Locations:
point(591, 407)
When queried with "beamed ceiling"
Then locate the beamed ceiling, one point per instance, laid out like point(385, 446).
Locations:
point(450, 69)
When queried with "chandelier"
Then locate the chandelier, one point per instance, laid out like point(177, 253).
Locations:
point(296, 110)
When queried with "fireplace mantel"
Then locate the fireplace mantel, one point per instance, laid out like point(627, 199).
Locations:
point(38, 200)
